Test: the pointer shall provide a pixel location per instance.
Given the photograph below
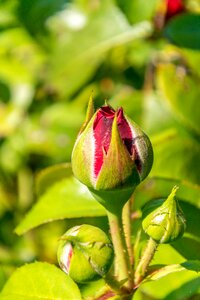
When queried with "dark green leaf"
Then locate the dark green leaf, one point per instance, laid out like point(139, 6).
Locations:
point(183, 31)
point(34, 13)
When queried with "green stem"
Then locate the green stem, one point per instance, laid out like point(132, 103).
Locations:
point(126, 217)
point(121, 252)
point(145, 260)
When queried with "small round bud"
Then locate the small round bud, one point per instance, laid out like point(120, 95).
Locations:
point(85, 253)
point(163, 220)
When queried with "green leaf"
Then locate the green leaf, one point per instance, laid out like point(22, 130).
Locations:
point(139, 10)
point(34, 13)
point(182, 96)
point(166, 270)
point(156, 187)
point(67, 198)
point(159, 289)
point(85, 49)
point(186, 291)
point(40, 281)
point(51, 175)
point(176, 156)
point(183, 31)
point(96, 290)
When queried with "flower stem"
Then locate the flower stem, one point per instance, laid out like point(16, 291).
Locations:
point(120, 248)
point(145, 260)
point(126, 218)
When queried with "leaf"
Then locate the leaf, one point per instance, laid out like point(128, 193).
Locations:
point(176, 156)
point(139, 10)
point(51, 175)
point(183, 31)
point(156, 187)
point(159, 289)
point(85, 49)
point(94, 289)
point(166, 270)
point(186, 291)
point(40, 281)
point(182, 97)
point(65, 199)
point(34, 13)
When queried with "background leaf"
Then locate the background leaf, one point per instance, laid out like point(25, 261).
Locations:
point(182, 98)
point(183, 31)
point(65, 199)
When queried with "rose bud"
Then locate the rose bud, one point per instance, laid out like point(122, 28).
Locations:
point(163, 220)
point(85, 253)
point(111, 152)
point(168, 9)
point(173, 8)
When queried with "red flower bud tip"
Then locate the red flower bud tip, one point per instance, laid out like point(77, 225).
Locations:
point(166, 10)
point(111, 152)
point(174, 7)
point(102, 134)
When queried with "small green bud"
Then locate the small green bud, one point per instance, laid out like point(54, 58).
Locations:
point(85, 253)
point(163, 220)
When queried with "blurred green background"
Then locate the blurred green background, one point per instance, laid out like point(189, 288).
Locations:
point(53, 54)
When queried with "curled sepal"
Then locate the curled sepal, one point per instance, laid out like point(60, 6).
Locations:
point(89, 113)
point(163, 220)
point(85, 253)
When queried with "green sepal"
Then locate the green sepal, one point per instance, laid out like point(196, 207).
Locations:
point(89, 114)
point(82, 156)
point(144, 149)
point(163, 220)
point(113, 200)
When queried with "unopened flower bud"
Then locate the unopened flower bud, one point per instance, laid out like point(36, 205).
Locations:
point(163, 220)
point(111, 152)
point(85, 253)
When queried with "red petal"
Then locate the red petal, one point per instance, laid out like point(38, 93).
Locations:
point(102, 134)
point(174, 7)
point(125, 131)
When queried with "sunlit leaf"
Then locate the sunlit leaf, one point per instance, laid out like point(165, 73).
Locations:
point(51, 175)
point(167, 284)
point(186, 290)
point(40, 281)
point(166, 270)
point(65, 199)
